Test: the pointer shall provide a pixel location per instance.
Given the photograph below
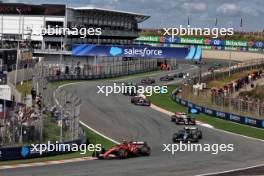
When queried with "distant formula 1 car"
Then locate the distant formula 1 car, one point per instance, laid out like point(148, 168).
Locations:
point(167, 78)
point(140, 100)
point(130, 89)
point(188, 134)
point(179, 75)
point(148, 80)
point(181, 118)
point(215, 67)
point(126, 150)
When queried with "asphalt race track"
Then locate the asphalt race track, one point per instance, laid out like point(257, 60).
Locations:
point(117, 118)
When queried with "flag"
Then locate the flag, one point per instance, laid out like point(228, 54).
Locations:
point(188, 20)
point(215, 21)
point(241, 22)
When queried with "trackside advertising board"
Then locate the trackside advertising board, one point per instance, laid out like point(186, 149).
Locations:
point(221, 115)
point(137, 51)
point(201, 41)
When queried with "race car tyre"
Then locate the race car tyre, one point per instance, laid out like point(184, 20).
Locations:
point(195, 138)
point(122, 154)
point(200, 134)
point(177, 121)
point(145, 151)
point(173, 118)
point(175, 137)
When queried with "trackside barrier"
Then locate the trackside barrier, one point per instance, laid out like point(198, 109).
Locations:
point(26, 152)
point(220, 114)
point(89, 77)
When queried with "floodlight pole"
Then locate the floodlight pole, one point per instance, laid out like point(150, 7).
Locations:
point(229, 64)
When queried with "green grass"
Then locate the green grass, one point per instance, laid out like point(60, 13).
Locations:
point(165, 101)
point(24, 88)
point(94, 138)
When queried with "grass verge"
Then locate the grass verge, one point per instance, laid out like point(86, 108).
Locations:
point(24, 88)
point(164, 101)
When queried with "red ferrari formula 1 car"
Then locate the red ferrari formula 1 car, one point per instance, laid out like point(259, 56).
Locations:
point(181, 118)
point(126, 150)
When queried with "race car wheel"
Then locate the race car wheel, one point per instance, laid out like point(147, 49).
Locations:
point(195, 138)
point(122, 154)
point(145, 151)
point(177, 121)
point(200, 134)
point(173, 118)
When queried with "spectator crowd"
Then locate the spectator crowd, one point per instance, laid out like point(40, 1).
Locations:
point(238, 84)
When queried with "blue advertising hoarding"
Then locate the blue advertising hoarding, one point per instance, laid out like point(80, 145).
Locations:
point(137, 51)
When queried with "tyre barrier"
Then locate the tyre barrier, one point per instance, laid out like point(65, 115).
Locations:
point(245, 120)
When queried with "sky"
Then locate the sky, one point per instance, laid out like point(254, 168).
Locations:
point(173, 13)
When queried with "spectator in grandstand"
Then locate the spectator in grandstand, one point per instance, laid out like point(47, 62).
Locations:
point(39, 100)
point(33, 93)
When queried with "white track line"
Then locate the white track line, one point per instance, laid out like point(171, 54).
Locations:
point(205, 125)
point(90, 128)
point(97, 132)
point(157, 108)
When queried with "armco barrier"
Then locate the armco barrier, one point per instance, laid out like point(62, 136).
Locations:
point(15, 153)
point(89, 77)
point(220, 114)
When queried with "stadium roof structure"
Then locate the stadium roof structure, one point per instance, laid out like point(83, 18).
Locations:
point(138, 17)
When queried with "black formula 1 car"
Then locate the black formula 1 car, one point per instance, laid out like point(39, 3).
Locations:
point(125, 150)
point(167, 78)
point(179, 75)
point(181, 118)
point(140, 100)
point(130, 89)
point(188, 134)
point(148, 80)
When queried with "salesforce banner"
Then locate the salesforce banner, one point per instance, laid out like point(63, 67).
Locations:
point(137, 51)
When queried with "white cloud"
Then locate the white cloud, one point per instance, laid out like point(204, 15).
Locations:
point(227, 9)
point(194, 7)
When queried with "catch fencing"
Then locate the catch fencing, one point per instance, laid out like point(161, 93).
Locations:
point(228, 102)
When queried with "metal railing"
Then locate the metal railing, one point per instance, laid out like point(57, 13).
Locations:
point(227, 102)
